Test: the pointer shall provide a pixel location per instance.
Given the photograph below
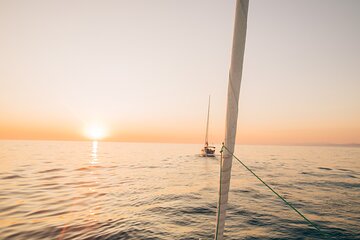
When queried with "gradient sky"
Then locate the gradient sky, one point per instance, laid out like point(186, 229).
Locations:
point(144, 69)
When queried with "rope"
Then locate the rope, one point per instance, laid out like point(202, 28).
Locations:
point(218, 215)
point(286, 202)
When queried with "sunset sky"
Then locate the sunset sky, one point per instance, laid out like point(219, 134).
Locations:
point(143, 70)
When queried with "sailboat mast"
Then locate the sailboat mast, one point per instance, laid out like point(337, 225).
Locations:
point(235, 74)
point(207, 122)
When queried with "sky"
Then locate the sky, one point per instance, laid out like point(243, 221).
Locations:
point(143, 70)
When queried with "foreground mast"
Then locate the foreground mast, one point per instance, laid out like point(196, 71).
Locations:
point(232, 111)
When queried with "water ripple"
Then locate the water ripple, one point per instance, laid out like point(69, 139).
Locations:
point(164, 191)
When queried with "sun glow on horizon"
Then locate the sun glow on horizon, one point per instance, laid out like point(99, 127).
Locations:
point(95, 131)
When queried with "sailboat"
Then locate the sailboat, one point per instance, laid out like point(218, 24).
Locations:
point(207, 151)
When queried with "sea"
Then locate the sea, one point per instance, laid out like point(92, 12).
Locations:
point(110, 190)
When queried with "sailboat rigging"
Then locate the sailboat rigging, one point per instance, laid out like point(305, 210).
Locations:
point(207, 151)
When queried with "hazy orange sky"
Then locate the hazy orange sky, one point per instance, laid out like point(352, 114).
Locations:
point(144, 70)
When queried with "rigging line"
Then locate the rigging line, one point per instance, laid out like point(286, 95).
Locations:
point(286, 202)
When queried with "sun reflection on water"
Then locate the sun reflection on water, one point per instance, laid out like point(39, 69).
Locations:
point(94, 153)
point(93, 209)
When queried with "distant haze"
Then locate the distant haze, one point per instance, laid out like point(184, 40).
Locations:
point(144, 69)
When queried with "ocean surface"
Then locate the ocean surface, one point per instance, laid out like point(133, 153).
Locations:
point(105, 190)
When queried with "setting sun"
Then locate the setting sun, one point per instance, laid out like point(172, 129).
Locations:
point(95, 131)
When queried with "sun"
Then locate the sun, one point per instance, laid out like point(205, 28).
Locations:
point(95, 131)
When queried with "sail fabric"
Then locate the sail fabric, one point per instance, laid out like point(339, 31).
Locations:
point(235, 74)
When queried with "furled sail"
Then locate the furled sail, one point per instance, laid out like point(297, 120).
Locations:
point(232, 111)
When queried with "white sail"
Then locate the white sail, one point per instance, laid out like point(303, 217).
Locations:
point(232, 111)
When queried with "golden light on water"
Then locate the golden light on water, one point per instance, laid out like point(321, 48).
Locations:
point(95, 131)
point(94, 150)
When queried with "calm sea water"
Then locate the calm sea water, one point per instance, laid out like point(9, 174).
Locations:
point(85, 190)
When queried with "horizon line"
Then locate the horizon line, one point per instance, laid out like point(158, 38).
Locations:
point(160, 142)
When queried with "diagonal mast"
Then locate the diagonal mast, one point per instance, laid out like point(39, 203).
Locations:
point(235, 74)
point(207, 123)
